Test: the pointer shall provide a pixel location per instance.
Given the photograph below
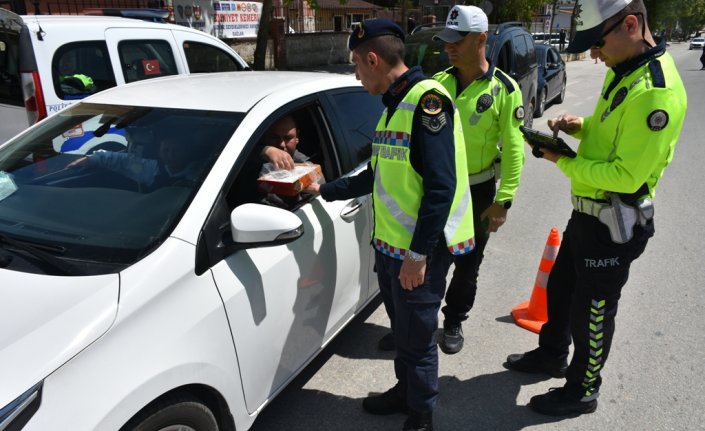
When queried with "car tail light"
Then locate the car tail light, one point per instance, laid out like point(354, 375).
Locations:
point(33, 97)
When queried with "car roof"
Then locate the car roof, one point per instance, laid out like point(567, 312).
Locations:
point(82, 21)
point(227, 91)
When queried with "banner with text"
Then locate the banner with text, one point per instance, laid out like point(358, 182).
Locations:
point(223, 19)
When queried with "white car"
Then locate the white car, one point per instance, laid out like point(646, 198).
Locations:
point(697, 43)
point(177, 302)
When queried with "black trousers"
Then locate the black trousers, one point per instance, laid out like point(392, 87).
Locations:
point(463, 286)
point(414, 318)
point(583, 293)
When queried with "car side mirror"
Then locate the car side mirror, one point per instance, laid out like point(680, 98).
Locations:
point(256, 225)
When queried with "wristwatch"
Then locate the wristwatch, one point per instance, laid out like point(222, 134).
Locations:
point(415, 257)
point(506, 204)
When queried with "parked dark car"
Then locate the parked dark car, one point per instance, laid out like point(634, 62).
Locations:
point(552, 77)
point(509, 46)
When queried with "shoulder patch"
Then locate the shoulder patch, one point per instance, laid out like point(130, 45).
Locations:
point(505, 80)
point(431, 104)
point(435, 123)
point(483, 103)
point(657, 76)
point(657, 120)
point(519, 113)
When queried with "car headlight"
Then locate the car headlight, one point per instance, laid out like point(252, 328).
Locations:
point(15, 415)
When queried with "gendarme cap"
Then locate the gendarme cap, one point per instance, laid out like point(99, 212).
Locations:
point(461, 21)
point(590, 21)
point(372, 28)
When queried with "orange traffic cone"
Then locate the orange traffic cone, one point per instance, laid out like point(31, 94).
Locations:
point(532, 314)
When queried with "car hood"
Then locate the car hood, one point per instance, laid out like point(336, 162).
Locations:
point(46, 320)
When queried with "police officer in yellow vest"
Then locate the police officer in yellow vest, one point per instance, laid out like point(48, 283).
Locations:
point(422, 210)
point(490, 106)
point(624, 148)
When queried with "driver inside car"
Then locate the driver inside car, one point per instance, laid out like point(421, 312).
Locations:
point(175, 162)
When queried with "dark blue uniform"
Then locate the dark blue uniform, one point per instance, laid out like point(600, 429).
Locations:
point(414, 314)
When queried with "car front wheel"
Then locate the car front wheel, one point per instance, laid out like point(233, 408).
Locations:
point(174, 414)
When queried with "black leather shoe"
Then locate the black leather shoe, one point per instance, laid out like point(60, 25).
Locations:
point(536, 361)
point(451, 341)
point(391, 402)
point(556, 402)
point(419, 421)
point(386, 343)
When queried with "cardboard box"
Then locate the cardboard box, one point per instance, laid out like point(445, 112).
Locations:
point(289, 183)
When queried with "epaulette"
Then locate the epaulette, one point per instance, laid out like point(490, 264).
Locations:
point(657, 76)
point(505, 80)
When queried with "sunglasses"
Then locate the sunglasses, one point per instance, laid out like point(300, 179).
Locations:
point(601, 42)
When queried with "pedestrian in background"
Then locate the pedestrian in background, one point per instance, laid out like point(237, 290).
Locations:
point(702, 58)
point(422, 211)
point(561, 39)
point(624, 149)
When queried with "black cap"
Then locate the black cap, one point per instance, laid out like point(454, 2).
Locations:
point(372, 28)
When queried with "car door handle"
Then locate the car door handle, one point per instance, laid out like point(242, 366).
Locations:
point(351, 210)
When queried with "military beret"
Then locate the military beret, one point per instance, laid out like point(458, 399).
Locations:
point(372, 28)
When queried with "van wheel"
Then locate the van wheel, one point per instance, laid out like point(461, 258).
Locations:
point(173, 414)
point(541, 106)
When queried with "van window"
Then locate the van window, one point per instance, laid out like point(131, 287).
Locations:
point(80, 69)
point(522, 53)
point(145, 59)
point(10, 88)
point(203, 58)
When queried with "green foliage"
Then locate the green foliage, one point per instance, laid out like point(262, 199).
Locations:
point(512, 10)
point(664, 14)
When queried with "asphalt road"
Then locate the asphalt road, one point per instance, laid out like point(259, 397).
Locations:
point(654, 376)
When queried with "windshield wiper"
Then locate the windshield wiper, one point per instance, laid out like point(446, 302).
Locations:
point(37, 252)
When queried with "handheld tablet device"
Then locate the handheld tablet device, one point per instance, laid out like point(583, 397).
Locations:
point(542, 140)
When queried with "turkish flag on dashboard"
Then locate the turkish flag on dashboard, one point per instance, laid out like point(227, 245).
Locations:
point(151, 67)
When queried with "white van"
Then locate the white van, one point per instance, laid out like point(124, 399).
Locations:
point(47, 62)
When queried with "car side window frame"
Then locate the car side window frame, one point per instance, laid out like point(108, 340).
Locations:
point(196, 51)
point(215, 243)
point(141, 67)
point(100, 73)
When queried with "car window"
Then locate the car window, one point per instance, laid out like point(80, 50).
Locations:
point(204, 58)
point(530, 50)
point(357, 113)
point(522, 54)
point(10, 88)
point(113, 207)
point(145, 59)
point(80, 69)
point(312, 147)
point(505, 59)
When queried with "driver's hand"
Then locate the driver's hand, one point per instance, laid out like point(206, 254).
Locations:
point(279, 158)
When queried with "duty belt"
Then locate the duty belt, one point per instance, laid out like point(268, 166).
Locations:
point(482, 176)
point(587, 206)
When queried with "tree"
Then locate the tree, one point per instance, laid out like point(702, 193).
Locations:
point(512, 10)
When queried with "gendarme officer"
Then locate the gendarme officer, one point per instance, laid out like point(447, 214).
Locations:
point(422, 210)
point(624, 148)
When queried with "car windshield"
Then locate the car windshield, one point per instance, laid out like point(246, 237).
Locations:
point(100, 186)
